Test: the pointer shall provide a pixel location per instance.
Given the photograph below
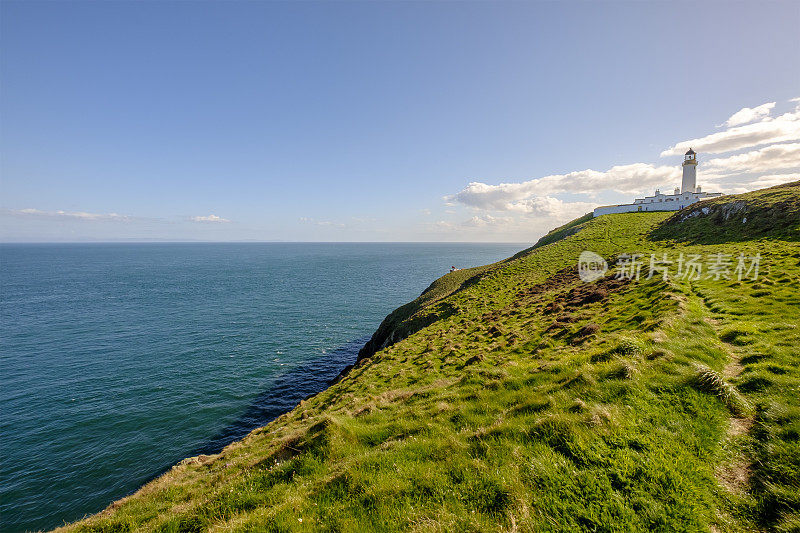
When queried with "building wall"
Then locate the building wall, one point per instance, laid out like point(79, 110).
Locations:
point(632, 208)
point(644, 204)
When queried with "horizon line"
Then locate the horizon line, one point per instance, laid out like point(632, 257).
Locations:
point(260, 242)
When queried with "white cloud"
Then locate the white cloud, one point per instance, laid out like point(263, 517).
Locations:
point(486, 220)
point(744, 182)
point(551, 207)
point(75, 215)
point(444, 225)
point(209, 218)
point(782, 129)
point(770, 180)
point(533, 206)
point(750, 114)
point(515, 226)
point(98, 217)
point(777, 156)
point(535, 196)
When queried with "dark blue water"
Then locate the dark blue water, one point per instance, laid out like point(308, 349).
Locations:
point(118, 360)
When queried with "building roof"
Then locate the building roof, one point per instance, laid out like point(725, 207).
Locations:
point(690, 152)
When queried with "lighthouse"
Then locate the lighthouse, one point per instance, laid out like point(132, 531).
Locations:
point(689, 181)
point(686, 195)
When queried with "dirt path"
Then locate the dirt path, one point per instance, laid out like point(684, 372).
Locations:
point(733, 475)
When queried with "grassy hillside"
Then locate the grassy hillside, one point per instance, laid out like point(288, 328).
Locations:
point(517, 397)
point(423, 311)
point(767, 213)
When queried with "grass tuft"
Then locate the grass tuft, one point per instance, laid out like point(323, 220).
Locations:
point(711, 382)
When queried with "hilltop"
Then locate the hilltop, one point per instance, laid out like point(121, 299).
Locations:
point(515, 396)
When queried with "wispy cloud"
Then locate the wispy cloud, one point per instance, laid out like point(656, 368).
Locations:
point(75, 215)
point(486, 220)
point(209, 218)
point(323, 223)
point(100, 217)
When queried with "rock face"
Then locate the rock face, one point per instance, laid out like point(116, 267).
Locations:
point(379, 342)
point(767, 213)
point(722, 212)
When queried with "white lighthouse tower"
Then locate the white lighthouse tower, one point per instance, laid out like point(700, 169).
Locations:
point(688, 194)
point(689, 181)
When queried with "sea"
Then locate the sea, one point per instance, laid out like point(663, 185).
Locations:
point(119, 360)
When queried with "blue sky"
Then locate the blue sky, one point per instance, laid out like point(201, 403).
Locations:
point(379, 121)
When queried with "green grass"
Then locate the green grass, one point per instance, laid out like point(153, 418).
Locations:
point(515, 397)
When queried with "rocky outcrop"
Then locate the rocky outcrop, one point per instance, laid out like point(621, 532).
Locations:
point(766, 213)
point(723, 212)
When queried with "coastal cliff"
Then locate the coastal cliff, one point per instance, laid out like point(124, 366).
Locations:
point(517, 397)
point(410, 318)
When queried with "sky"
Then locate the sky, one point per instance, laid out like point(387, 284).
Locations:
point(380, 121)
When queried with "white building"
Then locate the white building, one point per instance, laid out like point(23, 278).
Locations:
point(688, 194)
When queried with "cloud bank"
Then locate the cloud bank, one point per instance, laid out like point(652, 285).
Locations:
point(766, 145)
point(771, 158)
point(74, 215)
point(534, 196)
point(780, 129)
